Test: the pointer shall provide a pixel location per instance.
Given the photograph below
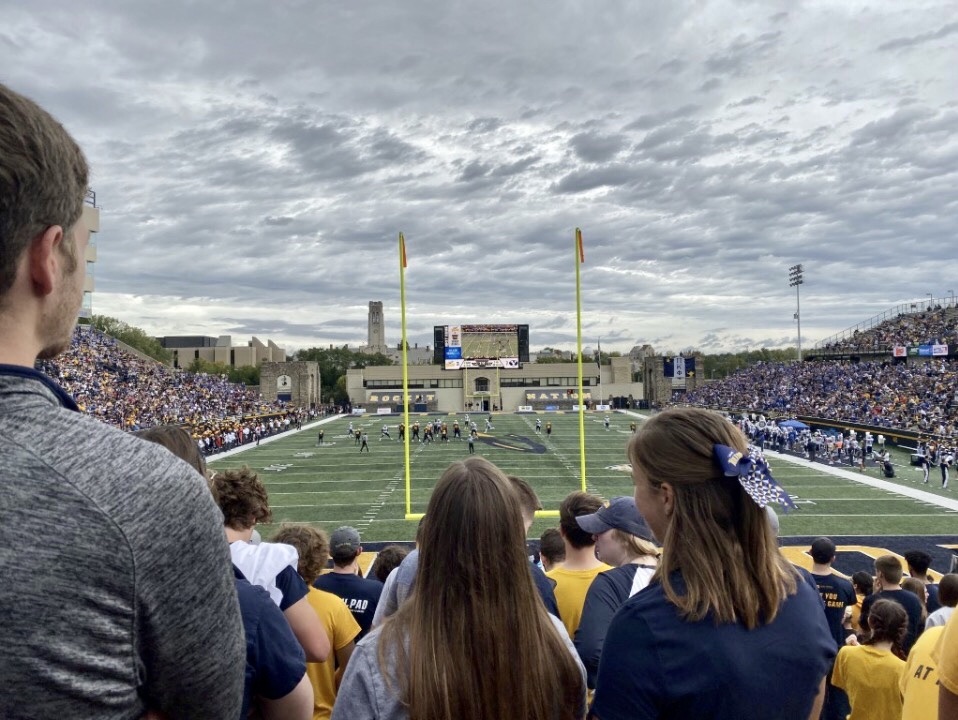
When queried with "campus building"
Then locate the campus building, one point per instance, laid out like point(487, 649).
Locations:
point(187, 348)
point(534, 386)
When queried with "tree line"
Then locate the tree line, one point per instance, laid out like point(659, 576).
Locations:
point(335, 361)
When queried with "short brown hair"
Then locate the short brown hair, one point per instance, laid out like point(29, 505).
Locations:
point(551, 546)
point(177, 441)
point(948, 590)
point(528, 500)
point(575, 504)
point(889, 567)
point(386, 560)
point(311, 543)
point(43, 179)
point(242, 498)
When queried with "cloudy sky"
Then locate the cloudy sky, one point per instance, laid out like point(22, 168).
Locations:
point(255, 162)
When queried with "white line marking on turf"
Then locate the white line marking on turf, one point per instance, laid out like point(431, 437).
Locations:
point(373, 512)
point(914, 493)
point(949, 505)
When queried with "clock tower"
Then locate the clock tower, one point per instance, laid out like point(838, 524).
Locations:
point(376, 331)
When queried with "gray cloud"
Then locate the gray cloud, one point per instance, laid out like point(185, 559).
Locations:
point(594, 148)
point(254, 175)
point(908, 42)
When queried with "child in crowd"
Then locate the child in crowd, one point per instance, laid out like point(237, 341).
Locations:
point(869, 672)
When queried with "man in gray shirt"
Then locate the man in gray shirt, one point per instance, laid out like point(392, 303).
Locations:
point(117, 594)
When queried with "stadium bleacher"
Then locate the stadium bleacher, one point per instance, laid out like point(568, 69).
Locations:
point(128, 392)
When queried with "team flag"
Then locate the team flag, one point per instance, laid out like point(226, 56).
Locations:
point(678, 367)
point(578, 241)
point(402, 250)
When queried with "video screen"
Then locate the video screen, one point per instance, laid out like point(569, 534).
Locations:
point(481, 346)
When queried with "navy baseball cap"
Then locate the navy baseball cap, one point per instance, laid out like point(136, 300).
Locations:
point(620, 514)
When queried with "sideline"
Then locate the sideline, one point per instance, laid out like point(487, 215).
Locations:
point(272, 438)
point(903, 490)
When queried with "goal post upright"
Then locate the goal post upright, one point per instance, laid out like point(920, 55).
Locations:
point(405, 370)
point(579, 260)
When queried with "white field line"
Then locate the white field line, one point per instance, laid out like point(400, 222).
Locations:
point(861, 478)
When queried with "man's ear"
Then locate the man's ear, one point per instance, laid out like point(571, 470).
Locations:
point(44, 259)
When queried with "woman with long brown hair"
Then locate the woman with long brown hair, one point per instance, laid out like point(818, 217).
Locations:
point(473, 641)
point(726, 629)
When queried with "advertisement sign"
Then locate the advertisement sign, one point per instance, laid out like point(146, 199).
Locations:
point(939, 350)
point(899, 351)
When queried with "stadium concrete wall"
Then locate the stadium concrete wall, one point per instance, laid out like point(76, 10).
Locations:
point(508, 389)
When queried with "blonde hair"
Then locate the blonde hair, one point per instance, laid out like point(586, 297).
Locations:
point(634, 546)
point(717, 537)
point(444, 648)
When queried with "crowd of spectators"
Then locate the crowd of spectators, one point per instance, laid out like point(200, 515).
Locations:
point(131, 393)
point(917, 396)
point(931, 326)
point(135, 583)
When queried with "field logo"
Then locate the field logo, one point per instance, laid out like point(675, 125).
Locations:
point(518, 443)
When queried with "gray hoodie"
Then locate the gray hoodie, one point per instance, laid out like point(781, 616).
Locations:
point(116, 587)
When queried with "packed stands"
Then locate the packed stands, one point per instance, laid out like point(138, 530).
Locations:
point(127, 392)
point(873, 389)
point(929, 326)
point(917, 396)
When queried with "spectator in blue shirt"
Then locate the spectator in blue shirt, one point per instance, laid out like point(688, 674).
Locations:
point(727, 629)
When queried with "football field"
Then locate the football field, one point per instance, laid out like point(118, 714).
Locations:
point(334, 484)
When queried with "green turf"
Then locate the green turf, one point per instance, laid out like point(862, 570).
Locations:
point(336, 485)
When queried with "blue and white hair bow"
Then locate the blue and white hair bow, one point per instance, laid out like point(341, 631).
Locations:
point(753, 475)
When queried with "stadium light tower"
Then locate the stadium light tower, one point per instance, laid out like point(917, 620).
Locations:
point(796, 276)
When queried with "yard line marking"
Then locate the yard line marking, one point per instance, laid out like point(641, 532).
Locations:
point(862, 479)
point(373, 512)
point(560, 456)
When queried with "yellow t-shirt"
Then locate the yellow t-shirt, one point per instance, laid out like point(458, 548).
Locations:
point(870, 678)
point(570, 590)
point(342, 629)
point(856, 612)
point(919, 678)
point(946, 654)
